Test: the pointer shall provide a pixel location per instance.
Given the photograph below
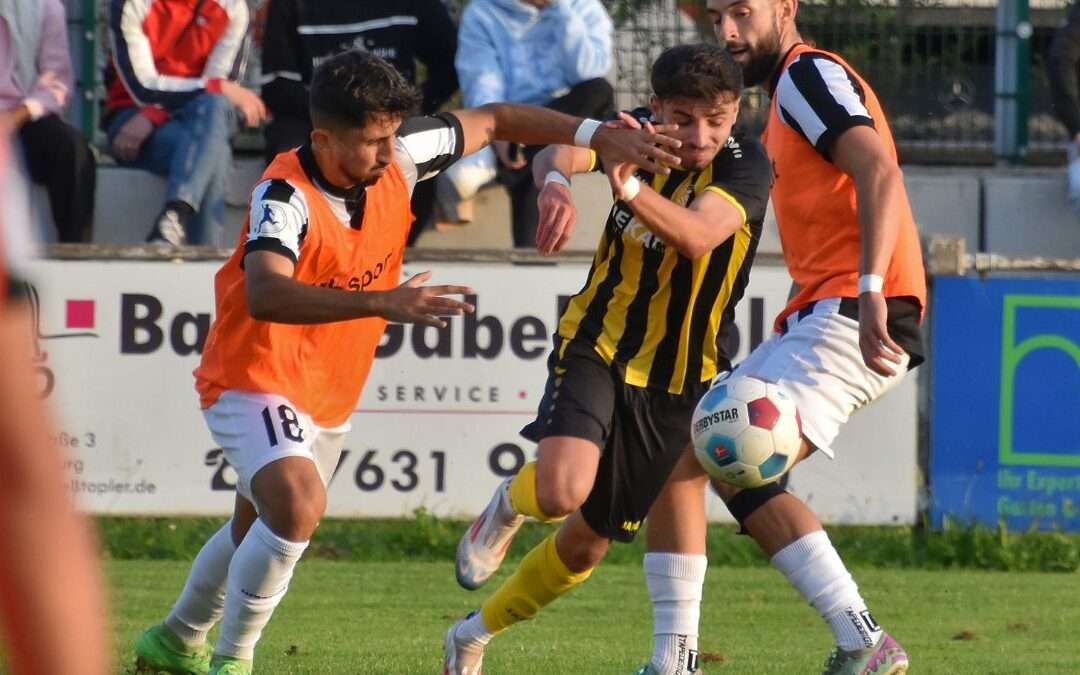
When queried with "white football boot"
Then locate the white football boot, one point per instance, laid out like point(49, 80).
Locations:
point(484, 545)
point(460, 656)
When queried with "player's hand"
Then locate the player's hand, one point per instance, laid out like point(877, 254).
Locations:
point(617, 174)
point(502, 151)
point(251, 107)
point(646, 146)
point(879, 352)
point(625, 120)
point(557, 218)
point(129, 140)
point(412, 302)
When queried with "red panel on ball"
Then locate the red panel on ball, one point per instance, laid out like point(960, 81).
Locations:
point(763, 413)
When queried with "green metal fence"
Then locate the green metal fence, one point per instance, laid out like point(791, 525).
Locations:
point(931, 62)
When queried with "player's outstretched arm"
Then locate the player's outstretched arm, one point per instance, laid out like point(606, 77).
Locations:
point(881, 198)
point(273, 295)
point(557, 214)
point(533, 125)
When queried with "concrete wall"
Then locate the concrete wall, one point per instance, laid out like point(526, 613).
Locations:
point(1024, 212)
point(1030, 215)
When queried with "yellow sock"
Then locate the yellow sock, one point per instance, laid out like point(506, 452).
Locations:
point(523, 494)
point(541, 577)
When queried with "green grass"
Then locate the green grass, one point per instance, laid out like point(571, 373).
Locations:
point(386, 618)
point(427, 538)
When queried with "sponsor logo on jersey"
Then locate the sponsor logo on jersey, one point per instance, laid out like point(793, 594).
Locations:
point(361, 281)
point(628, 226)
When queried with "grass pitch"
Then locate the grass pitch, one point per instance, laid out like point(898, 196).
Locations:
point(389, 618)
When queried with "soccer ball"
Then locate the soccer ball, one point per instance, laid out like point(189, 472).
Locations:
point(746, 431)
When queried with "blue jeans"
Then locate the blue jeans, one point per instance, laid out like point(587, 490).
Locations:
point(191, 150)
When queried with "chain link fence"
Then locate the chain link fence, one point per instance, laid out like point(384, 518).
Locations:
point(930, 61)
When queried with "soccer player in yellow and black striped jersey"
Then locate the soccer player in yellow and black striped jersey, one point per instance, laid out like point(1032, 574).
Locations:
point(635, 348)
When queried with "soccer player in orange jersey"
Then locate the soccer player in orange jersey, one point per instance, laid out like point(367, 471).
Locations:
point(52, 598)
point(848, 334)
point(300, 308)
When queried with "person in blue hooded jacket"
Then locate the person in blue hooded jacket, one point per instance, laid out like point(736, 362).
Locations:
point(555, 53)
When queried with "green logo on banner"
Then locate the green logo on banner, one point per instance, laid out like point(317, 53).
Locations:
point(1012, 353)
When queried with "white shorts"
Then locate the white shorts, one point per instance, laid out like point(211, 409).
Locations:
point(818, 363)
point(255, 429)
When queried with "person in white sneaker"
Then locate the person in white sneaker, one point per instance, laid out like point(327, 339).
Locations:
point(554, 53)
point(634, 350)
point(172, 94)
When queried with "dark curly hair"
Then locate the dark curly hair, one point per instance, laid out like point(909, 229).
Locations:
point(697, 72)
point(351, 87)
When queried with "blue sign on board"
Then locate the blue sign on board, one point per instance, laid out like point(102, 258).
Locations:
point(1005, 411)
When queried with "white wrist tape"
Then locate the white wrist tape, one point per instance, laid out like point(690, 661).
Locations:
point(871, 283)
point(583, 135)
point(554, 176)
point(631, 188)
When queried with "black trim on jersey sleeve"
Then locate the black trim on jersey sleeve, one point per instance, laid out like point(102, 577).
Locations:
point(268, 244)
point(279, 191)
point(743, 170)
point(431, 157)
point(821, 109)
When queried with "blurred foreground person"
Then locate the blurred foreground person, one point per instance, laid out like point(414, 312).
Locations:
point(51, 602)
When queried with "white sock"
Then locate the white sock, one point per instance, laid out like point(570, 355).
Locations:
point(813, 567)
point(258, 578)
point(472, 629)
point(201, 602)
point(675, 582)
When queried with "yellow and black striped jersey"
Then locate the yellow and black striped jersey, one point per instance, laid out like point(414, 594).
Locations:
point(665, 319)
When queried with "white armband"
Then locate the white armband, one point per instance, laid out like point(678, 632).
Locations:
point(871, 283)
point(585, 131)
point(631, 188)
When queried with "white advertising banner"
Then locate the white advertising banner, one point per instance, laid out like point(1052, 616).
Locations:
point(436, 428)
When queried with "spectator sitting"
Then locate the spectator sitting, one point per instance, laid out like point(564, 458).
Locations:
point(171, 93)
point(555, 53)
point(1063, 68)
point(299, 35)
point(35, 83)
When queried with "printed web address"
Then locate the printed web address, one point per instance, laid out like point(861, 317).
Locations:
point(111, 486)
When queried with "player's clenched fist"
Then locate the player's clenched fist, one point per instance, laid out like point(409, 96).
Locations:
point(413, 303)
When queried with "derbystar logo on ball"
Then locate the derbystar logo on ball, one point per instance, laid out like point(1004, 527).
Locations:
point(746, 432)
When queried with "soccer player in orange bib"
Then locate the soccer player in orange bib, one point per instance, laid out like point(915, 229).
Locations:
point(301, 306)
point(848, 334)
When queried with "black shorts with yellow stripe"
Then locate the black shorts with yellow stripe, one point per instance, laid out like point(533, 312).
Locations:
point(641, 433)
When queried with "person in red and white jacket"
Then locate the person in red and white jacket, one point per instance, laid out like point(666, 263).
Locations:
point(172, 92)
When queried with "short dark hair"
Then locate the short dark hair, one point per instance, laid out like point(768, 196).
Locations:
point(697, 72)
point(351, 87)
